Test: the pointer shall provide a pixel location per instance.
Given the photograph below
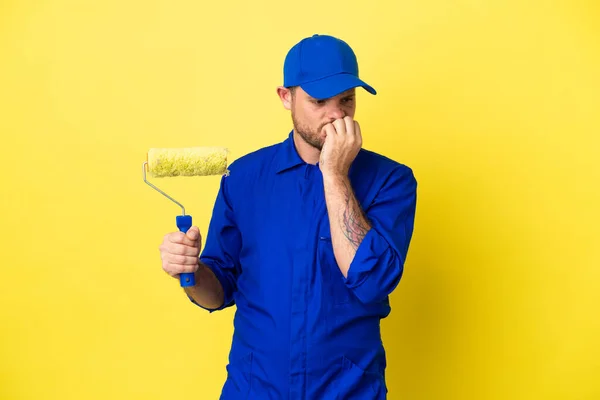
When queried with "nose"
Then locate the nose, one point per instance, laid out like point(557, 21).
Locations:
point(336, 112)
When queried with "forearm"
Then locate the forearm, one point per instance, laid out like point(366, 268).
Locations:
point(208, 291)
point(347, 220)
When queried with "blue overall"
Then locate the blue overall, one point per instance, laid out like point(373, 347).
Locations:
point(302, 330)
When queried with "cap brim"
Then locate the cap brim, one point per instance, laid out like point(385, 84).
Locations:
point(334, 85)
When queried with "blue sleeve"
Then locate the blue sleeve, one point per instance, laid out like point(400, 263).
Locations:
point(378, 264)
point(222, 246)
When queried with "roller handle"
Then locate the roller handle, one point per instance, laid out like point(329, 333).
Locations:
point(184, 223)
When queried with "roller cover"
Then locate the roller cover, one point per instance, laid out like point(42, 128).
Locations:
point(188, 161)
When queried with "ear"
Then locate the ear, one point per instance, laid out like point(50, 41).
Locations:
point(285, 95)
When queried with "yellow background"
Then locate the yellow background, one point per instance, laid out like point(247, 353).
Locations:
point(494, 104)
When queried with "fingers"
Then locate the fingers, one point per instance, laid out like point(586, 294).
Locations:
point(330, 132)
point(175, 269)
point(346, 126)
point(357, 133)
point(179, 259)
point(179, 252)
point(349, 125)
point(191, 238)
point(174, 264)
point(180, 249)
point(329, 128)
point(340, 126)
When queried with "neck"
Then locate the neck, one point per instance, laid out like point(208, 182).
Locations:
point(307, 153)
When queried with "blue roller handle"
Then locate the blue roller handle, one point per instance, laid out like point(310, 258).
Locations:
point(184, 223)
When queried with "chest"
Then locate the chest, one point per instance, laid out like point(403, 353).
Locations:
point(287, 213)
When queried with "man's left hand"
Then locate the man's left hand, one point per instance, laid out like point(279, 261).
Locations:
point(342, 144)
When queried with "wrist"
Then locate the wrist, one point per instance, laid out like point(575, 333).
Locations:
point(334, 176)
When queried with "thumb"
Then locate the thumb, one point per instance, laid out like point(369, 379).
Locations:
point(193, 233)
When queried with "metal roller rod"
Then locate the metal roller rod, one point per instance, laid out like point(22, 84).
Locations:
point(160, 191)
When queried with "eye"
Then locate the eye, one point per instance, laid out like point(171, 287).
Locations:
point(348, 99)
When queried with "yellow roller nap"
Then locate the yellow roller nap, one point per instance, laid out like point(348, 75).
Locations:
point(187, 161)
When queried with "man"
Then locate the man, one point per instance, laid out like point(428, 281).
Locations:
point(308, 238)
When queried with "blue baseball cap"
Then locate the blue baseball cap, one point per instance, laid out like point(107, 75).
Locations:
point(323, 66)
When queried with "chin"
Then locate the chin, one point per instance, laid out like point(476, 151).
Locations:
point(317, 145)
point(319, 142)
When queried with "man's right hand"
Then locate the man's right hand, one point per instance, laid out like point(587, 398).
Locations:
point(179, 252)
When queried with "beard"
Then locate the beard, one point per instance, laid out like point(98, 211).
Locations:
point(310, 136)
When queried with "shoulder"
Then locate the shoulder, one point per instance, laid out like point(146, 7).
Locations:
point(249, 171)
point(374, 175)
point(378, 165)
point(253, 162)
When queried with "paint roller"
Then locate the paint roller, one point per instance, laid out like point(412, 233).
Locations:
point(187, 161)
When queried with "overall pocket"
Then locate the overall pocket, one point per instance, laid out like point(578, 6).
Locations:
point(354, 383)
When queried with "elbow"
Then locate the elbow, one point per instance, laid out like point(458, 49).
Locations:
point(375, 284)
